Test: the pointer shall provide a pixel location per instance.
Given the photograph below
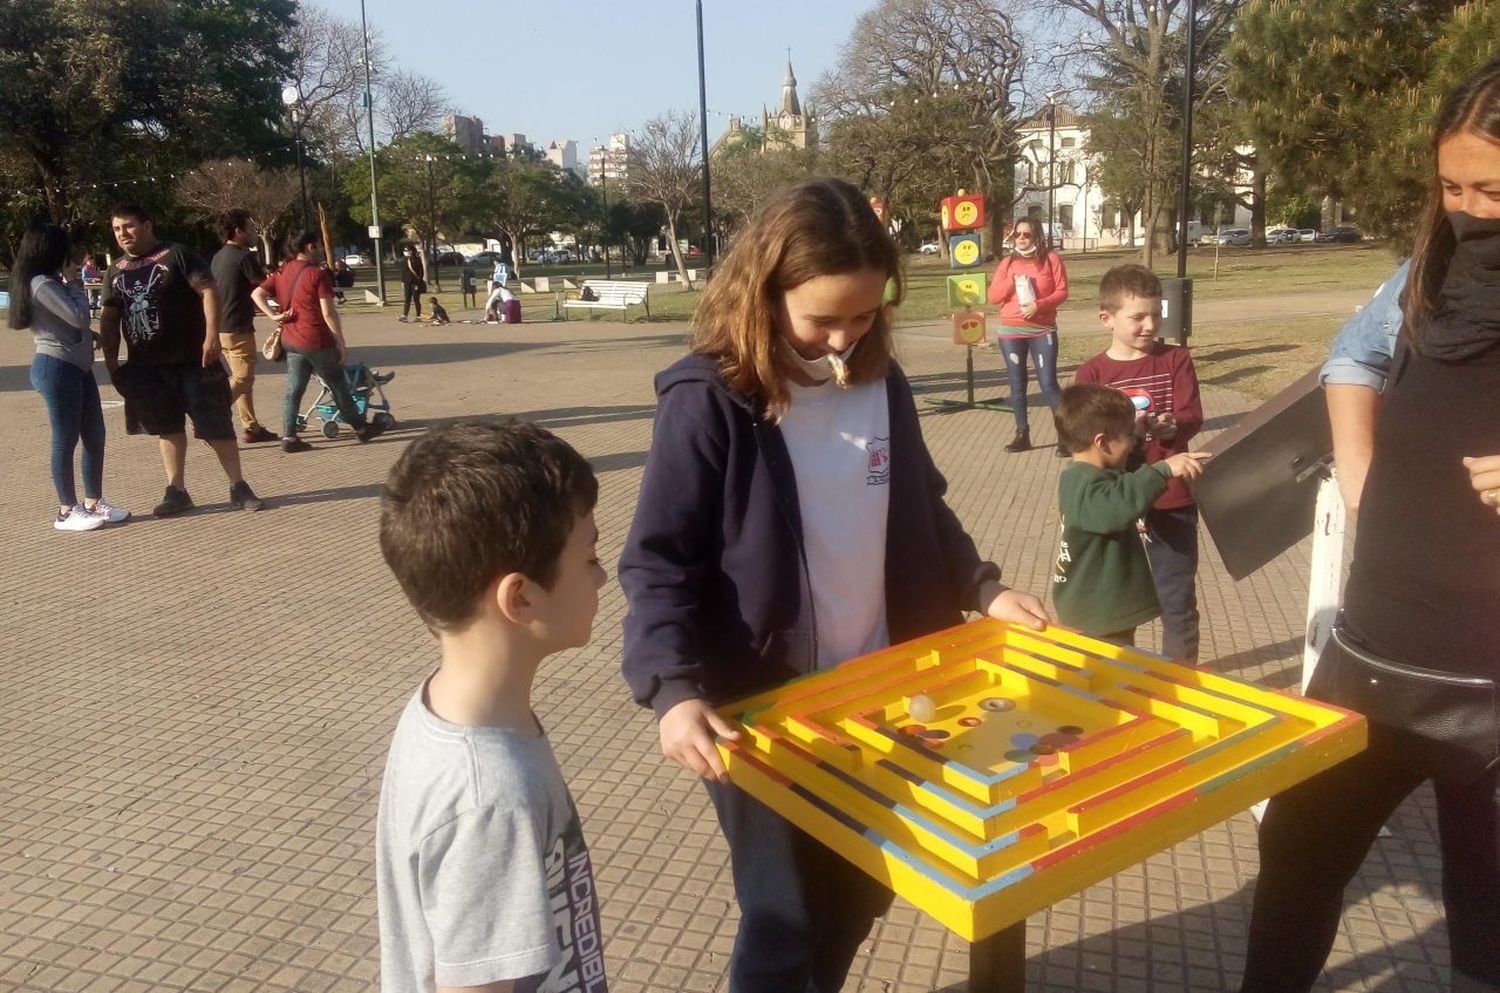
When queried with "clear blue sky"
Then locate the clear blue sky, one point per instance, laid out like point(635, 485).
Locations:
point(585, 68)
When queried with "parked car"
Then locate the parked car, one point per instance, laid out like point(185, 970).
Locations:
point(1233, 236)
point(929, 248)
point(484, 258)
point(1281, 236)
point(354, 259)
point(554, 256)
point(1342, 233)
point(1307, 234)
point(450, 258)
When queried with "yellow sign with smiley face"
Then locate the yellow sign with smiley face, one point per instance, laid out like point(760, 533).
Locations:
point(966, 291)
point(963, 250)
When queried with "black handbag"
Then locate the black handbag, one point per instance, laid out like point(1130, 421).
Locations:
point(1452, 719)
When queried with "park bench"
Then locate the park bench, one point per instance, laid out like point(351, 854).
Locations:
point(613, 294)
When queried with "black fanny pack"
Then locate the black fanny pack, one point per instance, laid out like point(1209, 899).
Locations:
point(1454, 719)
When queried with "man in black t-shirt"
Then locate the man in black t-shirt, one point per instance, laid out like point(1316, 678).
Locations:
point(236, 272)
point(161, 295)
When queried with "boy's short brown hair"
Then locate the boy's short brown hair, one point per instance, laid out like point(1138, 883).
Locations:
point(1087, 409)
point(473, 500)
point(1130, 280)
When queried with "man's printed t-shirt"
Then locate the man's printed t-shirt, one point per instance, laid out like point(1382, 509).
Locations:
point(1159, 382)
point(481, 868)
point(161, 313)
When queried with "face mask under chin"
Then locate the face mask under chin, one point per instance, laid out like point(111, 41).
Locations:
point(824, 367)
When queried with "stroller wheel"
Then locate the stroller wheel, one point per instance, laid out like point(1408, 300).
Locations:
point(384, 420)
point(330, 429)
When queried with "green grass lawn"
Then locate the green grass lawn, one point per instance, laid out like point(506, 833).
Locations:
point(1257, 355)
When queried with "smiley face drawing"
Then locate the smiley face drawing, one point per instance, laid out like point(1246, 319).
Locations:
point(966, 251)
point(968, 291)
point(968, 328)
point(966, 213)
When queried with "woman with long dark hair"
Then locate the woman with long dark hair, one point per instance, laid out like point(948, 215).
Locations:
point(1413, 391)
point(47, 297)
point(1030, 283)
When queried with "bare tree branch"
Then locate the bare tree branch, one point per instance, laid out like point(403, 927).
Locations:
point(225, 184)
point(664, 168)
point(410, 102)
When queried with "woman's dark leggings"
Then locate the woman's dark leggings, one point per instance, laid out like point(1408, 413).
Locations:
point(72, 399)
point(1042, 353)
point(411, 295)
point(1314, 839)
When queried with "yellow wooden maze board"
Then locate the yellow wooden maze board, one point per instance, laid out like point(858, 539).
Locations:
point(988, 771)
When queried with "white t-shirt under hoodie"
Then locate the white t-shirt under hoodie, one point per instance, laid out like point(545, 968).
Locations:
point(840, 444)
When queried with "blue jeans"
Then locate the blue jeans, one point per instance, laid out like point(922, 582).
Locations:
point(72, 399)
point(300, 366)
point(804, 909)
point(1173, 551)
point(1042, 351)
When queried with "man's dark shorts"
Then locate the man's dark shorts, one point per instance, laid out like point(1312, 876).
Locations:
point(159, 399)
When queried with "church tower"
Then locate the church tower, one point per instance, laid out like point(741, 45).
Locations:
point(797, 127)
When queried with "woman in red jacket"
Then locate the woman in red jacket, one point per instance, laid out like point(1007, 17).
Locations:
point(1029, 285)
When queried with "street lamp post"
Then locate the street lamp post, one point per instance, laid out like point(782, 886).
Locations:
point(708, 210)
point(374, 198)
point(293, 100)
point(1183, 198)
point(437, 281)
point(604, 228)
point(1051, 167)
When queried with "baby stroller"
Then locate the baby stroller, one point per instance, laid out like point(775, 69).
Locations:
point(365, 387)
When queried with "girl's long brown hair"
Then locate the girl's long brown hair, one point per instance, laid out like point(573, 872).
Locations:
point(1474, 106)
point(819, 227)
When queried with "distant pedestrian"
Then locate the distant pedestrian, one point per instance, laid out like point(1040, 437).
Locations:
point(313, 336)
point(1029, 285)
point(161, 296)
point(236, 273)
point(47, 297)
point(413, 281)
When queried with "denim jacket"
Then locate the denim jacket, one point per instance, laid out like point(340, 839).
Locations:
point(1361, 354)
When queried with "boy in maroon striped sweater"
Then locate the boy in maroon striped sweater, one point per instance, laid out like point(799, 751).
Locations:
point(1160, 381)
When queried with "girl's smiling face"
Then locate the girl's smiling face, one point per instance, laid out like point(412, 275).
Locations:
point(827, 314)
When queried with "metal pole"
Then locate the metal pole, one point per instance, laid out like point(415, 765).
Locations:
point(301, 172)
point(1051, 173)
point(437, 282)
point(708, 210)
point(604, 184)
point(374, 198)
point(1187, 141)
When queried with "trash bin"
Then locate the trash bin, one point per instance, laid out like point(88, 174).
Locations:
point(1176, 308)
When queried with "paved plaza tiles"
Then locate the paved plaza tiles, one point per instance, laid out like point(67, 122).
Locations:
point(194, 712)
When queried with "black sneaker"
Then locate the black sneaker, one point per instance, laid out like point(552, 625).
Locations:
point(1020, 443)
point(1062, 451)
point(369, 431)
point(174, 501)
point(381, 378)
point(294, 445)
point(242, 496)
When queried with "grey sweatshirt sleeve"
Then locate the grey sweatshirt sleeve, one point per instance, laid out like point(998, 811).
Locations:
point(60, 321)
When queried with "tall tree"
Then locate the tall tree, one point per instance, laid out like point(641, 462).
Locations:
point(937, 75)
point(225, 184)
point(664, 169)
point(1314, 76)
point(1133, 51)
point(525, 201)
point(95, 92)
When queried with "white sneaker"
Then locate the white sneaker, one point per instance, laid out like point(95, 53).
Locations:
point(111, 514)
point(78, 519)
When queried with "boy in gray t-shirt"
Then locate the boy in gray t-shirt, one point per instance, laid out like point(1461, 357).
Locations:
point(483, 877)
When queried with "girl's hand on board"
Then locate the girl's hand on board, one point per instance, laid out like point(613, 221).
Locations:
point(1484, 476)
point(687, 738)
point(1014, 606)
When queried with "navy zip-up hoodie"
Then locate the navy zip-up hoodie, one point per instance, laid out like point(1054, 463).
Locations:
point(714, 568)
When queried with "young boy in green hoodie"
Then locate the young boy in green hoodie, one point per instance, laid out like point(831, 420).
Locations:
point(1101, 584)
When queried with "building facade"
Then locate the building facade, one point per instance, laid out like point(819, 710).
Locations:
point(610, 161)
point(1084, 217)
point(789, 126)
point(563, 153)
point(466, 132)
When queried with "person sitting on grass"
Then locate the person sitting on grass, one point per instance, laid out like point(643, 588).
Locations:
point(1101, 582)
point(439, 315)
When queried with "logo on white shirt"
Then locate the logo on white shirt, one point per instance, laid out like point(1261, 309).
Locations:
point(878, 461)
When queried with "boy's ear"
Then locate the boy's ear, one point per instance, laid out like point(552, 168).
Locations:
point(512, 594)
point(1104, 317)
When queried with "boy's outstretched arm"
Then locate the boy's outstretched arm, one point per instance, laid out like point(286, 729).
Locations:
point(1109, 504)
